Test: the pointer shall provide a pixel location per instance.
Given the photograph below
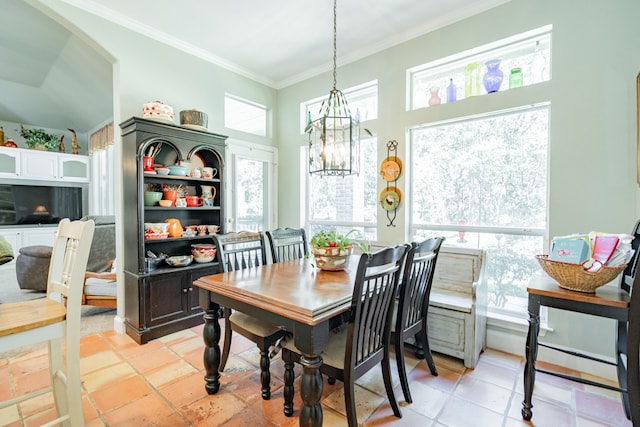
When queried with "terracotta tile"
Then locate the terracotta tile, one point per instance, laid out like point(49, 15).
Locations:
point(120, 393)
point(384, 416)
point(169, 373)
point(149, 410)
point(106, 376)
point(188, 345)
point(487, 395)
point(427, 400)
point(9, 415)
point(41, 418)
point(26, 366)
point(446, 380)
point(600, 408)
point(195, 358)
point(38, 404)
point(89, 411)
point(458, 412)
point(32, 381)
point(219, 407)
point(493, 374)
point(176, 337)
point(93, 344)
point(97, 361)
point(149, 361)
point(185, 390)
point(133, 349)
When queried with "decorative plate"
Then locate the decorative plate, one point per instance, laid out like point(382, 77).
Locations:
point(391, 168)
point(390, 198)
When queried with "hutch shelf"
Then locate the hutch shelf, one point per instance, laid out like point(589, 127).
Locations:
point(161, 301)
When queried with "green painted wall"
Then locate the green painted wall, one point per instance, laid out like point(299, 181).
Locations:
point(596, 57)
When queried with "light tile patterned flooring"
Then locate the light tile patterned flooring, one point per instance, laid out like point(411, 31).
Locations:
point(161, 384)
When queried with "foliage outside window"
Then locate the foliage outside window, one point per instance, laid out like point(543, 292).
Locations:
point(482, 182)
point(245, 116)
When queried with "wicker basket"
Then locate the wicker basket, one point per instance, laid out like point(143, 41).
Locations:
point(575, 278)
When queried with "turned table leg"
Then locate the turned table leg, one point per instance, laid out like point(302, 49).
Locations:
point(311, 391)
point(531, 352)
point(211, 336)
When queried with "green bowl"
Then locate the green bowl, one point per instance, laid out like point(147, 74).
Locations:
point(151, 198)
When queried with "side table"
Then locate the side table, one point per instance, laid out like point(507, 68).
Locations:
point(608, 302)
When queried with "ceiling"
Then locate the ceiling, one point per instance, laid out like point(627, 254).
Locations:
point(49, 75)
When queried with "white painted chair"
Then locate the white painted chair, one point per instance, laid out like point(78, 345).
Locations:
point(47, 319)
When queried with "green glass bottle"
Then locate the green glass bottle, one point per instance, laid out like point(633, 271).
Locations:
point(515, 78)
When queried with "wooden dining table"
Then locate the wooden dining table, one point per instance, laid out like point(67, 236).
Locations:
point(293, 295)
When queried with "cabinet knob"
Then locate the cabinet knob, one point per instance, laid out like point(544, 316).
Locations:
point(184, 290)
point(190, 289)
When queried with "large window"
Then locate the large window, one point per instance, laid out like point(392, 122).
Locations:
point(482, 182)
point(344, 203)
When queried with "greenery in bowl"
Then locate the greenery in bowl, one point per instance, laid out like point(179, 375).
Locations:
point(34, 137)
point(333, 239)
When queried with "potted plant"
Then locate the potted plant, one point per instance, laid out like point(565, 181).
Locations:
point(331, 249)
point(39, 139)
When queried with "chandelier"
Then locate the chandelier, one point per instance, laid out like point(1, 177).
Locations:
point(334, 137)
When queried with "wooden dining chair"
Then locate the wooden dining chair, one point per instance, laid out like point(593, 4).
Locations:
point(287, 244)
point(363, 342)
point(412, 305)
point(47, 319)
point(236, 251)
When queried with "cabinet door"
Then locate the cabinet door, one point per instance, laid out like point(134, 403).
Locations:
point(167, 297)
point(9, 162)
point(43, 236)
point(36, 164)
point(73, 168)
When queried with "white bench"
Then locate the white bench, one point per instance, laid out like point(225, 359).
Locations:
point(457, 319)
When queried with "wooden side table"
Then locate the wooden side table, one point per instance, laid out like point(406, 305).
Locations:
point(612, 303)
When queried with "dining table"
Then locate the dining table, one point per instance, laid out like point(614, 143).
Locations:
point(293, 295)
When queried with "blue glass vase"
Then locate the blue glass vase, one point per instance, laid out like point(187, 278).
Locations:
point(493, 77)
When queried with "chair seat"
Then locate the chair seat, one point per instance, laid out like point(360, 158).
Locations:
point(333, 354)
point(253, 325)
point(100, 287)
point(25, 315)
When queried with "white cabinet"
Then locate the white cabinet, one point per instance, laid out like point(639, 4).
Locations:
point(43, 165)
point(9, 162)
point(36, 164)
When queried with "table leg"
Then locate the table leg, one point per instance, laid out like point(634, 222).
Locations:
point(531, 353)
point(311, 391)
point(211, 336)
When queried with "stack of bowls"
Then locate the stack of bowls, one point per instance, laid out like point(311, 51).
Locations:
point(151, 198)
point(203, 252)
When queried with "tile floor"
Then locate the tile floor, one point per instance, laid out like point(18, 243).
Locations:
point(161, 384)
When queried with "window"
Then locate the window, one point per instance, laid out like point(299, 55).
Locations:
point(530, 51)
point(102, 176)
point(363, 103)
point(482, 182)
point(344, 203)
point(245, 116)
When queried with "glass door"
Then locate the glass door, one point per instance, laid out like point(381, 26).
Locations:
point(251, 196)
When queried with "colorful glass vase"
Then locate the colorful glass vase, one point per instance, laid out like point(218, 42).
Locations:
point(435, 97)
point(472, 78)
point(493, 77)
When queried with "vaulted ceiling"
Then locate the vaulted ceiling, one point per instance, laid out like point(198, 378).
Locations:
point(49, 75)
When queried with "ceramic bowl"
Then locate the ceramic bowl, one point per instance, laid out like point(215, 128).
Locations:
point(156, 230)
point(213, 229)
point(178, 170)
point(163, 171)
point(179, 261)
point(151, 198)
point(165, 203)
point(203, 252)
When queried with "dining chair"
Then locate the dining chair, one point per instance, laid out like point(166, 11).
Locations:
point(236, 251)
point(287, 244)
point(47, 319)
point(361, 344)
point(411, 306)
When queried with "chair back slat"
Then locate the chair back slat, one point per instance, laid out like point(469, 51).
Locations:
point(373, 293)
point(415, 289)
point(236, 251)
point(287, 244)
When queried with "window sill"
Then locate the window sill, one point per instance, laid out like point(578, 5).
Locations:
point(516, 324)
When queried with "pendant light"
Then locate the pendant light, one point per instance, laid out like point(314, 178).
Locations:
point(334, 137)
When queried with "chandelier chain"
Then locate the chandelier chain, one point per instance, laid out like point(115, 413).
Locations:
point(335, 14)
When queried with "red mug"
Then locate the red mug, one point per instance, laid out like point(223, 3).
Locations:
point(147, 162)
point(194, 201)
